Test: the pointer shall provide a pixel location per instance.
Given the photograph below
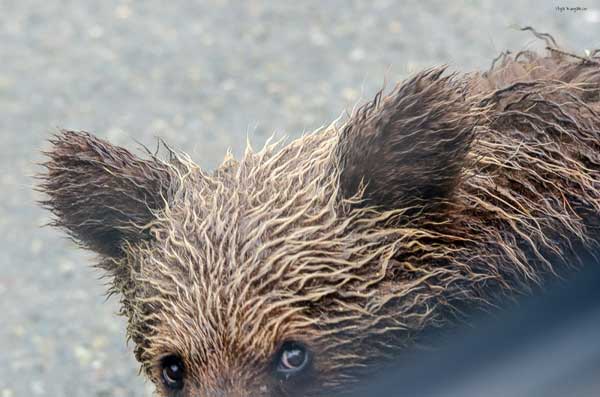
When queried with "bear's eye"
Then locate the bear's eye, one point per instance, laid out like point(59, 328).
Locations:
point(292, 358)
point(172, 372)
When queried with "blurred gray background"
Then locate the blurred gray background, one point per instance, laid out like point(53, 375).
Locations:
point(203, 75)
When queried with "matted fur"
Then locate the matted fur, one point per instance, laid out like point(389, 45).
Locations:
point(448, 192)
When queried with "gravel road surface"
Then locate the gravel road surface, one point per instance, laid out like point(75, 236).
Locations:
point(202, 75)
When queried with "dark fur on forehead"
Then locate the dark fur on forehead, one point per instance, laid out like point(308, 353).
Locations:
point(408, 146)
point(100, 193)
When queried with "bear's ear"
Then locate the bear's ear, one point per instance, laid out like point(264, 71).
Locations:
point(102, 194)
point(407, 148)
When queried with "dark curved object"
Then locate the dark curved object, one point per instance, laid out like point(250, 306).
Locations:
point(547, 345)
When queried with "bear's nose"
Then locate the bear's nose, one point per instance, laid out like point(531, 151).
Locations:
point(240, 391)
point(229, 393)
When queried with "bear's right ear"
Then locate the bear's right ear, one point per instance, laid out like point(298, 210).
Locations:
point(408, 148)
point(102, 194)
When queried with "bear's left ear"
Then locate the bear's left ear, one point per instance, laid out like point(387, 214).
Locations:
point(102, 194)
point(408, 148)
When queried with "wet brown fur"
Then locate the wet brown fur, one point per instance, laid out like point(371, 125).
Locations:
point(451, 190)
